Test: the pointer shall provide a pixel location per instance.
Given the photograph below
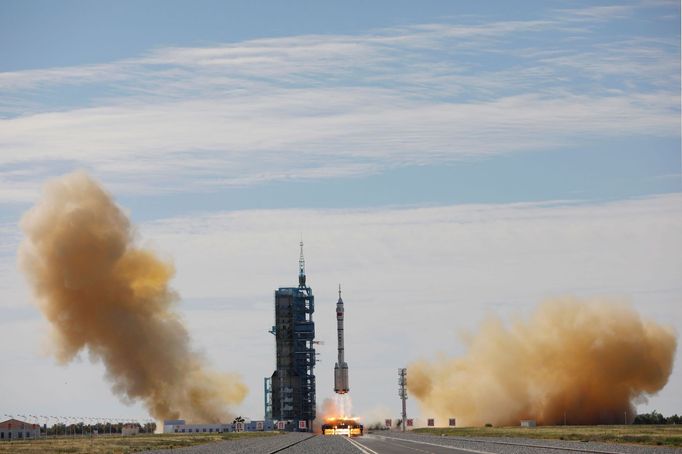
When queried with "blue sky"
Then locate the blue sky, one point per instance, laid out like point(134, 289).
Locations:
point(195, 111)
point(595, 88)
point(77, 32)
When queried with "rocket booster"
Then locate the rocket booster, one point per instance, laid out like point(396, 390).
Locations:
point(341, 368)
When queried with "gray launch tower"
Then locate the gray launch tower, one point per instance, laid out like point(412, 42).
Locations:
point(341, 367)
point(293, 383)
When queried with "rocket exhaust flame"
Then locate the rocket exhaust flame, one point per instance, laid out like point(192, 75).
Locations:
point(337, 417)
point(101, 292)
point(339, 407)
point(575, 361)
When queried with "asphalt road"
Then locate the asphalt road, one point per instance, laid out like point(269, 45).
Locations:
point(398, 443)
point(373, 444)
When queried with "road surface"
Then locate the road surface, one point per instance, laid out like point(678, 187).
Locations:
point(398, 443)
point(379, 444)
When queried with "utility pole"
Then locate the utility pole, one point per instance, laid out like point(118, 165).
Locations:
point(402, 392)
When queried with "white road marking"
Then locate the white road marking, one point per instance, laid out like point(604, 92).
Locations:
point(362, 448)
point(409, 447)
point(437, 445)
point(508, 443)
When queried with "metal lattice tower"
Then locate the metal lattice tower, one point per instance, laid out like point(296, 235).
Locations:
point(402, 392)
point(267, 390)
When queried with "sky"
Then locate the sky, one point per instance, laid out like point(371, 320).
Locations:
point(442, 160)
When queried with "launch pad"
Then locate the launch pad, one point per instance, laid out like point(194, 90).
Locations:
point(348, 427)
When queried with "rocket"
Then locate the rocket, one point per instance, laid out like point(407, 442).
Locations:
point(341, 368)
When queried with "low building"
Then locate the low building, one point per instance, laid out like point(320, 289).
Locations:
point(130, 429)
point(259, 426)
point(13, 429)
point(170, 424)
point(528, 423)
point(179, 426)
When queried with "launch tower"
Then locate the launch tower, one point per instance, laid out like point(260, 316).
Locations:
point(293, 383)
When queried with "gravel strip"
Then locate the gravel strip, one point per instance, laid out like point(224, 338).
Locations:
point(259, 445)
point(484, 444)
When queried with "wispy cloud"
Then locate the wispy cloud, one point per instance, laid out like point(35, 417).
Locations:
point(598, 12)
point(237, 114)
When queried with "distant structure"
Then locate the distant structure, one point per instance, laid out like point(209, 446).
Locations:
point(293, 383)
point(341, 367)
point(14, 429)
point(402, 392)
point(267, 388)
point(180, 426)
point(130, 429)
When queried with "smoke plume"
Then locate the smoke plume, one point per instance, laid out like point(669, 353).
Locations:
point(585, 360)
point(339, 406)
point(101, 292)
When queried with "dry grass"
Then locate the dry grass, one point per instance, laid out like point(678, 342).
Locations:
point(116, 444)
point(661, 435)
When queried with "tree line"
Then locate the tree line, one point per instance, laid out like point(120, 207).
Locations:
point(656, 418)
point(91, 429)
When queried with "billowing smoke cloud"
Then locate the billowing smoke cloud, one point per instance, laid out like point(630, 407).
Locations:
point(338, 406)
point(101, 292)
point(585, 359)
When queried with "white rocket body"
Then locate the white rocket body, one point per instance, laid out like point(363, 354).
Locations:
point(341, 368)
